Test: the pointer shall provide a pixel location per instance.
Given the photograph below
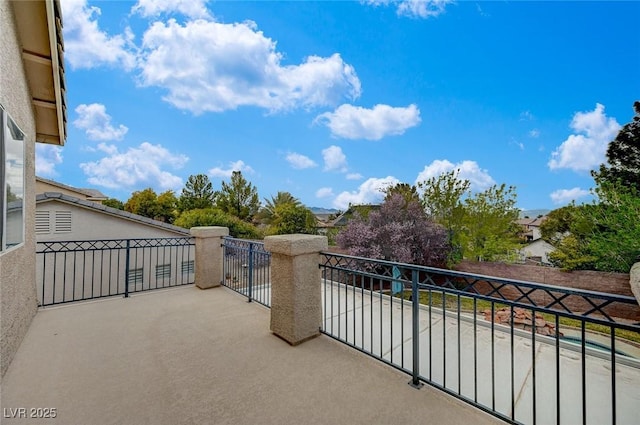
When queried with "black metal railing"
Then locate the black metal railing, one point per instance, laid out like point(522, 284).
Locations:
point(80, 270)
point(246, 269)
point(524, 352)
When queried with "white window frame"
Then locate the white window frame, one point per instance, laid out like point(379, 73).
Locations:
point(5, 245)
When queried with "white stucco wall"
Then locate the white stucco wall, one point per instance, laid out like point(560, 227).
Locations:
point(539, 248)
point(18, 302)
point(87, 224)
point(98, 270)
point(42, 187)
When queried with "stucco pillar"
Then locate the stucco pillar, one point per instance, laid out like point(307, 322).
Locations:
point(634, 280)
point(296, 309)
point(209, 255)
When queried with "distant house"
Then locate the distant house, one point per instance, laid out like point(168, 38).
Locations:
point(531, 228)
point(537, 252)
point(62, 222)
point(64, 217)
point(361, 210)
point(44, 185)
point(536, 249)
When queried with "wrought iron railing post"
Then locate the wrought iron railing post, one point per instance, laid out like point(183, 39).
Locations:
point(250, 294)
point(225, 260)
point(126, 270)
point(415, 327)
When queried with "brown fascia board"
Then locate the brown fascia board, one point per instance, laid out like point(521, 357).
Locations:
point(39, 27)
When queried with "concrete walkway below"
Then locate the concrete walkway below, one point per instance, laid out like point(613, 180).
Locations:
point(188, 356)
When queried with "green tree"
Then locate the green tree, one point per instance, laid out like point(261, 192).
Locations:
point(113, 203)
point(623, 156)
point(408, 192)
point(481, 225)
point(443, 200)
point(148, 204)
point(289, 218)
point(558, 223)
point(490, 230)
point(216, 217)
point(166, 209)
point(197, 193)
point(238, 198)
point(142, 202)
point(613, 222)
point(268, 211)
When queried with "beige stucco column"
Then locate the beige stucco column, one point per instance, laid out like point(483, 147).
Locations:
point(634, 280)
point(296, 310)
point(209, 255)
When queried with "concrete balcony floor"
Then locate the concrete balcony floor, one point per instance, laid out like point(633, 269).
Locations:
point(188, 356)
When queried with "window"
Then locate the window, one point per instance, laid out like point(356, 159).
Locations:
point(163, 271)
point(135, 276)
point(187, 267)
point(12, 180)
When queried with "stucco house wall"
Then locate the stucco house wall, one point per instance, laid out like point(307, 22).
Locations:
point(92, 223)
point(103, 271)
point(538, 248)
point(44, 185)
point(17, 272)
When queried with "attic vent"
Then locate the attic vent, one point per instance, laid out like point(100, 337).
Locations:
point(43, 224)
point(63, 222)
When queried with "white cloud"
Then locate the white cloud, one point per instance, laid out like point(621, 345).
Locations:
point(227, 172)
point(189, 8)
point(584, 152)
point(47, 157)
point(422, 8)
point(334, 159)
point(136, 167)
point(535, 133)
point(86, 45)
point(564, 196)
point(355, 122)
point(369, 192)
point(324, 192)
point(96, 123)
point(415, 8)
point(354, 176)
point(526, 116)
point(211, 66)
point(299, 161)
point(468, 170)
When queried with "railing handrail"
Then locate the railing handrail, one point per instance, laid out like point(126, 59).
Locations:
point(534, 285)
point(471, 336)
point(43, 247)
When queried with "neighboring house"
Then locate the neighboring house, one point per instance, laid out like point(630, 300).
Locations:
point(537, 252)
point(32, 110)
point(147, 261)
point(44, 185)
point(362, 210)
point(531, 228)
point(62, 217)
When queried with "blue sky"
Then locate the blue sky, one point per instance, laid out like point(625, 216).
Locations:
point(334, 100)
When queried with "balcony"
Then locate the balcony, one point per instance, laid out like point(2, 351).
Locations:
point(191, 356)
point(519, 351)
